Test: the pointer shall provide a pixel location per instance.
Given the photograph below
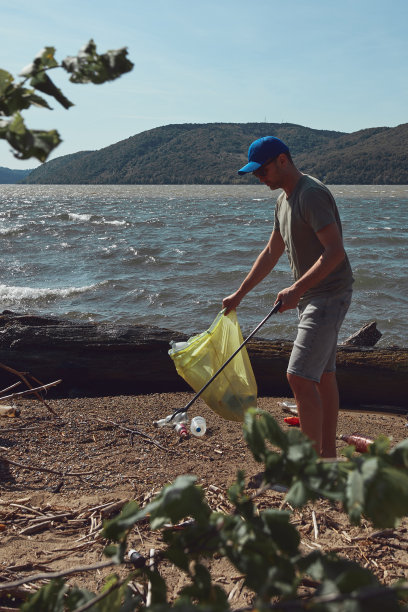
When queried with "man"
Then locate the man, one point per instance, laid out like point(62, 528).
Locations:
point(307, 225)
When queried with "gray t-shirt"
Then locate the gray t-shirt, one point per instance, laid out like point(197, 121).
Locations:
point(309, 209)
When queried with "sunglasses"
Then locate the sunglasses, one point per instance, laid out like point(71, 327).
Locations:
point(263, 169)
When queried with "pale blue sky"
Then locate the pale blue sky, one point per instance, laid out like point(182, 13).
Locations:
point(324, 64)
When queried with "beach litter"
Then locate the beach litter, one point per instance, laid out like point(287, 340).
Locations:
point(293, 421)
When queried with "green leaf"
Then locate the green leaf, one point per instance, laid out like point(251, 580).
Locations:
point(380, 446)
point(399, 454)
point(50, 598)
point(89, 67)
point(116, 553)
point(387, 497)
point(28, 143)
point(298, 494)
point(44, 60)
point(253, 434)
point(77, 597)
point(355, 496)
point(6, 79)
point(159, 587)
point(273, 432)
point(177, 501)
point(16, 98)
point(116, 528)
point(300, 449)
point(284, 534)
point(204, 591)
point(42, 82)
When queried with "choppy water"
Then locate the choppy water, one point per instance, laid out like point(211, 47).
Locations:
point(167, 255)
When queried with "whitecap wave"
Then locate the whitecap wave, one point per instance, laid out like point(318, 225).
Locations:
point(79, 217)
point(112, 222)
point(12, 231)
point(15, 295)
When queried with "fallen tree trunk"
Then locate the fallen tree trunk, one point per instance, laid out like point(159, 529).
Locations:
point(110, 359)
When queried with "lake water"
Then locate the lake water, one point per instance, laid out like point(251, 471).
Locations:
point(167, 255)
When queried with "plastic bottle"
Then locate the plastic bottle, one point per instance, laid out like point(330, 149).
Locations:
point(136, 558)
point(9, 411)
point(360, 442)
point(198, 426)
point(181, 417)
point(181, 429)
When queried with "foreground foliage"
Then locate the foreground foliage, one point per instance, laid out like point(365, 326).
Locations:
point(87, 67)
point(262, 545)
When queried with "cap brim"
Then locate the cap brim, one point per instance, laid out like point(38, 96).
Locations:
point(250, 167)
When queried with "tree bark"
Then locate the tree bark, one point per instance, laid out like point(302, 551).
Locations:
point(109, 359)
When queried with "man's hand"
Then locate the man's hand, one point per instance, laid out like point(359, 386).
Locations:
point(231, 302)
point(289, 297)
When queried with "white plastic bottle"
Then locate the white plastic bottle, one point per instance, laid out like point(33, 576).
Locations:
point(198, 426)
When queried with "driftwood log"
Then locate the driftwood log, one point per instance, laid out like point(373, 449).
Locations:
point(368, 335)
point(110, 359)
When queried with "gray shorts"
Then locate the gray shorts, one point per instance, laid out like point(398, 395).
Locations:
point(314, 350)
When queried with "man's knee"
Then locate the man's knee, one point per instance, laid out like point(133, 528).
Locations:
point(298, 384)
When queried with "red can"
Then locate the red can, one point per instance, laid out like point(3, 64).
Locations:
point(294, 421)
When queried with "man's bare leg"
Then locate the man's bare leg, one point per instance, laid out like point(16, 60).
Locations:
point(329, 396)
point(310, 408)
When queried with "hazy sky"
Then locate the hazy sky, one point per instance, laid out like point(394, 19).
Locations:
point(324, 64)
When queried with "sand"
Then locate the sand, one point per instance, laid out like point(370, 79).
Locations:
point(123, 466)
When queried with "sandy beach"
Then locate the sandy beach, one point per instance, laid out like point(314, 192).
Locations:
point(90, 436)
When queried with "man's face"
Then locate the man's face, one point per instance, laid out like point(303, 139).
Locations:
point(269, 174)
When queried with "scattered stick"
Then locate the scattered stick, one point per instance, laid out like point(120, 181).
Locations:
point(113, 507)
point(105, 506)
point(384, 533)
point(138, 433)
point(50, 576)
point(33, 390)
point(315, 528)
point(20, 428)
point(36, 528)
point(39, 469)
point(10, 387)
point(24, 379)
point(32, 510)
point(149, 586)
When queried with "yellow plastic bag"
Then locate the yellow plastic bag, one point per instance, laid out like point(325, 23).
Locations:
point(234, 390)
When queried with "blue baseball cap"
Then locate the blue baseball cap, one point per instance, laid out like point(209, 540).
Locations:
point(261, 150)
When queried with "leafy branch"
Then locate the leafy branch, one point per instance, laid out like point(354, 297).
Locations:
point(264, 546)
point(87, 67)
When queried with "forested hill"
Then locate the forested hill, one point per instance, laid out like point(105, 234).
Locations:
point(212, 153)
point(8, 176)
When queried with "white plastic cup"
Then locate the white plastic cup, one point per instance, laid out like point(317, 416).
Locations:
point(198, 426)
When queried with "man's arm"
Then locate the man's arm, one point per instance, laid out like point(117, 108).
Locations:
point(331, 257)
point(263, 265)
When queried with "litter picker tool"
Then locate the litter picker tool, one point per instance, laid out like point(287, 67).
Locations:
point(274, 310)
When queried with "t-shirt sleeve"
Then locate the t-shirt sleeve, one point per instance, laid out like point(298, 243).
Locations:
point(317, 209)
point(276, 224)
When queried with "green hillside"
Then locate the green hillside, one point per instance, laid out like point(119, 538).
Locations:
point(212, 153)
point(10, 177)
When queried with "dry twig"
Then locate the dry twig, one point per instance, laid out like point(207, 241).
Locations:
point(39, 469)
point(35, 391)
point(138, 433)
point(50, 576)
